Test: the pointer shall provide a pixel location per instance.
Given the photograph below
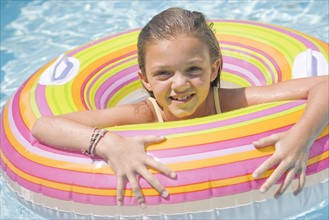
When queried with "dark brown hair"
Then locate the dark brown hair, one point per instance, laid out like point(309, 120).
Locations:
point(172, 22)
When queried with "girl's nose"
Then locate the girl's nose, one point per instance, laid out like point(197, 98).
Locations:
point(180, 82)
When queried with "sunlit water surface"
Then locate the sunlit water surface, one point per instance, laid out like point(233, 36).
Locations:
point(34, 32)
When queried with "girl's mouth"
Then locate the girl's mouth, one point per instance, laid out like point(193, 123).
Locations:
point(182, 98)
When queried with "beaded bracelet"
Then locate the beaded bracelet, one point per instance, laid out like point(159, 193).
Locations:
point(95, 138)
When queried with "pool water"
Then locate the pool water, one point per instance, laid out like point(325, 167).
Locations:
point(34, 32)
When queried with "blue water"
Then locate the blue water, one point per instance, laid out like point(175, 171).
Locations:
point(33, 32)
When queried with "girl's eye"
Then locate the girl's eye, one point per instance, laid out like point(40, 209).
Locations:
point(162, 74)
point(194, 70)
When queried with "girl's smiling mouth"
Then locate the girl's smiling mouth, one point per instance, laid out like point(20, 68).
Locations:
point(182, 99)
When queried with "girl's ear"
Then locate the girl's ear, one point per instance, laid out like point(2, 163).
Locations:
point(214, 70)
point(144, 81)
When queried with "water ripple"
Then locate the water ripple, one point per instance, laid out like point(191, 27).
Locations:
point(45, 29)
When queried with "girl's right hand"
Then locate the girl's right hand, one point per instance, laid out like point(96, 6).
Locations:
point(128, 159)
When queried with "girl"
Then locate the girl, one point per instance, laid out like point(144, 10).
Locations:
point(180, 63)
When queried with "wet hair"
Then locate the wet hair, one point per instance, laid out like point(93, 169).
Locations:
point(173, 22)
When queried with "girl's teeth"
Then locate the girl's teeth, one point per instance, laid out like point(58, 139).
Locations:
point(182, 98)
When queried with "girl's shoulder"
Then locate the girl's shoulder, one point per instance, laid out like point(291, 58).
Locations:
point(136, 113)
point(232, 98)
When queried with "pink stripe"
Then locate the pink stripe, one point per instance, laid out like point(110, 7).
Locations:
point(248, 68)
point(105, 85)
point(21, 126)
point(271, 59)
point(85, 179)
point(230, 189)
point(239, 73)
point(107, 100)
point(42, 103)
point(25, 132)
point(286, 32)
point(216, 124)
point(180, 175)
point(108, 94)
point(57, 174)
point(238, 168)
point(151, 200)
point(195, 149)
point(257, 58)
point(110, 81)
point(97, 69)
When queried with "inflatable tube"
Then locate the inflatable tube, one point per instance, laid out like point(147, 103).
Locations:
point(213, 156)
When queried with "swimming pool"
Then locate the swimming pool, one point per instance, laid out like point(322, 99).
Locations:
point(45, 29)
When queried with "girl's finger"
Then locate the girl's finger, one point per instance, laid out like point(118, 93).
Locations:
point(266, 165)
point(278, 172)
point(266, 141)
point(154, 182)
point(136, 190)
point(160, 167)
point(301, 181)
point(151, 139)
point(286, 182)
point(120, 187)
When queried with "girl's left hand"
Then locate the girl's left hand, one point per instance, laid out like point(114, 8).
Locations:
point(290, 156)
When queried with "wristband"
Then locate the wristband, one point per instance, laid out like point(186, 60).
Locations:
point(95, 138)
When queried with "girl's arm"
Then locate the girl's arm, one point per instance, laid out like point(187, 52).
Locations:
point(292, 147)
point(73, 131)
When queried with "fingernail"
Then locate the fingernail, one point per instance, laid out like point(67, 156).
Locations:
point(172, 175)
point(143, 205)
point(164, 194)
point(262, 189)
point(277, 195)
point(119, 203)
point(255, 175)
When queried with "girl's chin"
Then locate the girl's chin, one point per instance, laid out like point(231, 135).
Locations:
point(181, 114)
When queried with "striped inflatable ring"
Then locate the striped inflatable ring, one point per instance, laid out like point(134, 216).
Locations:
point(213, 156)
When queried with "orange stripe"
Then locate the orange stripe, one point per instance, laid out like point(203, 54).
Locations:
point(228, 134)
point(81, 77)
point(275, 54)
point(149, 191)
point(45, 161)
point(233, 180)
point(217, 136)
point(25, 107)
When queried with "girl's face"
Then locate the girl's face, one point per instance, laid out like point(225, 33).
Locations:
point(179, 72)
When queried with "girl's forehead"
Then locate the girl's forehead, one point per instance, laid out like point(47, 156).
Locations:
point(176, 52)
point(177, 43)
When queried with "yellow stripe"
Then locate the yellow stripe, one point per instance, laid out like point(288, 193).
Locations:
point(78, 81)
point(27, 111)
point(235, 79)
point(146, 192)
point(260, 56)
point(233, 180)
point(178, 141)
point(230, 133)
point(203, 120)
point(57, 185)
point(283, 62)
point(252, 61)
point(45, 161)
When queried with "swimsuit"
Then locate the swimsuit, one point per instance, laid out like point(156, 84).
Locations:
point(158, 110)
